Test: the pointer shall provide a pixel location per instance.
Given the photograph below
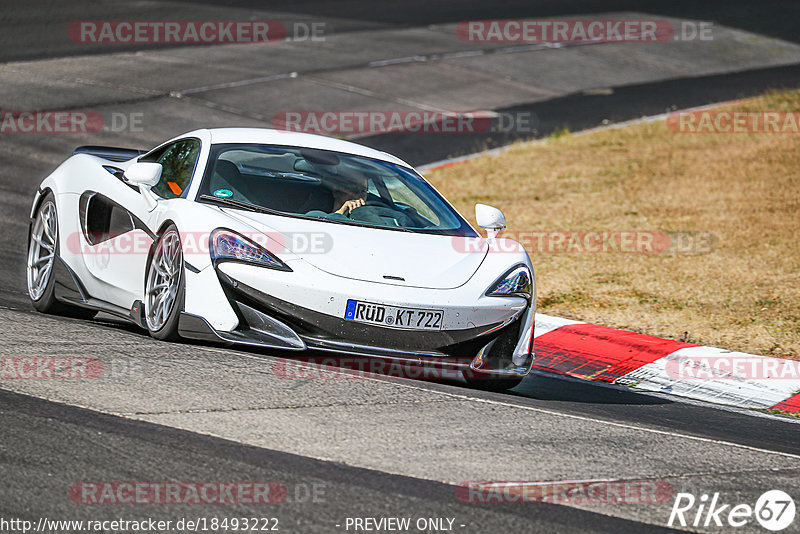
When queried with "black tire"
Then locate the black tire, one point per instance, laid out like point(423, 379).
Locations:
point(168, 331)
point(489, 382)
point(45, 300)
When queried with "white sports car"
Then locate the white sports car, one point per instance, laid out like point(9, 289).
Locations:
point(283, 240)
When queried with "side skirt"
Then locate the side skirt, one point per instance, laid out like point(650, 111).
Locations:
point(69, 290)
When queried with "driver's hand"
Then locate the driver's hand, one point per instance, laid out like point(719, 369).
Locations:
point(350, 205)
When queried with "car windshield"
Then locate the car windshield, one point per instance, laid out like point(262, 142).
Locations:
point(328, 186)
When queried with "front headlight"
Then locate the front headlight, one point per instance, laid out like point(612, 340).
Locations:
point(517, 282)
point(225, 245)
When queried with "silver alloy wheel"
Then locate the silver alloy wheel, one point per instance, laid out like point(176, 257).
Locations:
point(163, 279)
point(42, 249)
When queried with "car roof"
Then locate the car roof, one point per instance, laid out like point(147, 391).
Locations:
point(282, 137)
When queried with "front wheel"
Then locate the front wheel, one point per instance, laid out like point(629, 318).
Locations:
point(163, 293)
point(490, 382)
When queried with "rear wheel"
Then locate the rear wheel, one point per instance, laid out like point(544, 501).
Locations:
point(163, 298)
point(43, 249)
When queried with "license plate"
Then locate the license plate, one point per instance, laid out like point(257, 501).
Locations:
point(393, 316)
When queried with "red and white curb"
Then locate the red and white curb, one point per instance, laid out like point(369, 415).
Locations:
point(624, 358)
point(603, 354)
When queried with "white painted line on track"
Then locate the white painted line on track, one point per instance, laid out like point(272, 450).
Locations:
point(402, 383)
point(228, 85)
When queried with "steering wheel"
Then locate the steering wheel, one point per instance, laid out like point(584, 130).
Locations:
point(370, 203)
point(376, 212)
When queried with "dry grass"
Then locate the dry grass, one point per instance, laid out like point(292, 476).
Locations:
point(745, 188)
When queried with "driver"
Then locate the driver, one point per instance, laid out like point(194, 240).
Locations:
point(347, 196)
point(350, 196)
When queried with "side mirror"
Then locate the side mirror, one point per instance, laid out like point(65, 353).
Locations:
point(143, 174)
point(490, 218)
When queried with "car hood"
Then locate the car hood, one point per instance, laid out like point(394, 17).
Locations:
point(370, 254)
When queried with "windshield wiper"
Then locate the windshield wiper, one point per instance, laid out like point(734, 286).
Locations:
point(231, 203)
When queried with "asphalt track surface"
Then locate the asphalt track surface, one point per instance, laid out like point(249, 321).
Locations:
point(371, 447)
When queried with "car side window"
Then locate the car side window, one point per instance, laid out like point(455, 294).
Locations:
point(177, 161)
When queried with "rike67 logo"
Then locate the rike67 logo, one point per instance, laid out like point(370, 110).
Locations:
point(774, 510)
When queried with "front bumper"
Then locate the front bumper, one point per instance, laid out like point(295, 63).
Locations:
point(501, 346)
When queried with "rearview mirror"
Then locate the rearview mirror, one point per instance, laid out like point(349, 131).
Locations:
point(146, 174)
point(490, 218)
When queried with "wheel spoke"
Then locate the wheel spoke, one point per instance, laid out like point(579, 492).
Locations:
point(38, 240)
point(42, 259)
point(175, 252)
point(165, 305)
point(163, 260)
point(157, 311)
point(159, 286)
point(48, 229)
point(40, 276)
point(159, 269)
point(158, 299)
